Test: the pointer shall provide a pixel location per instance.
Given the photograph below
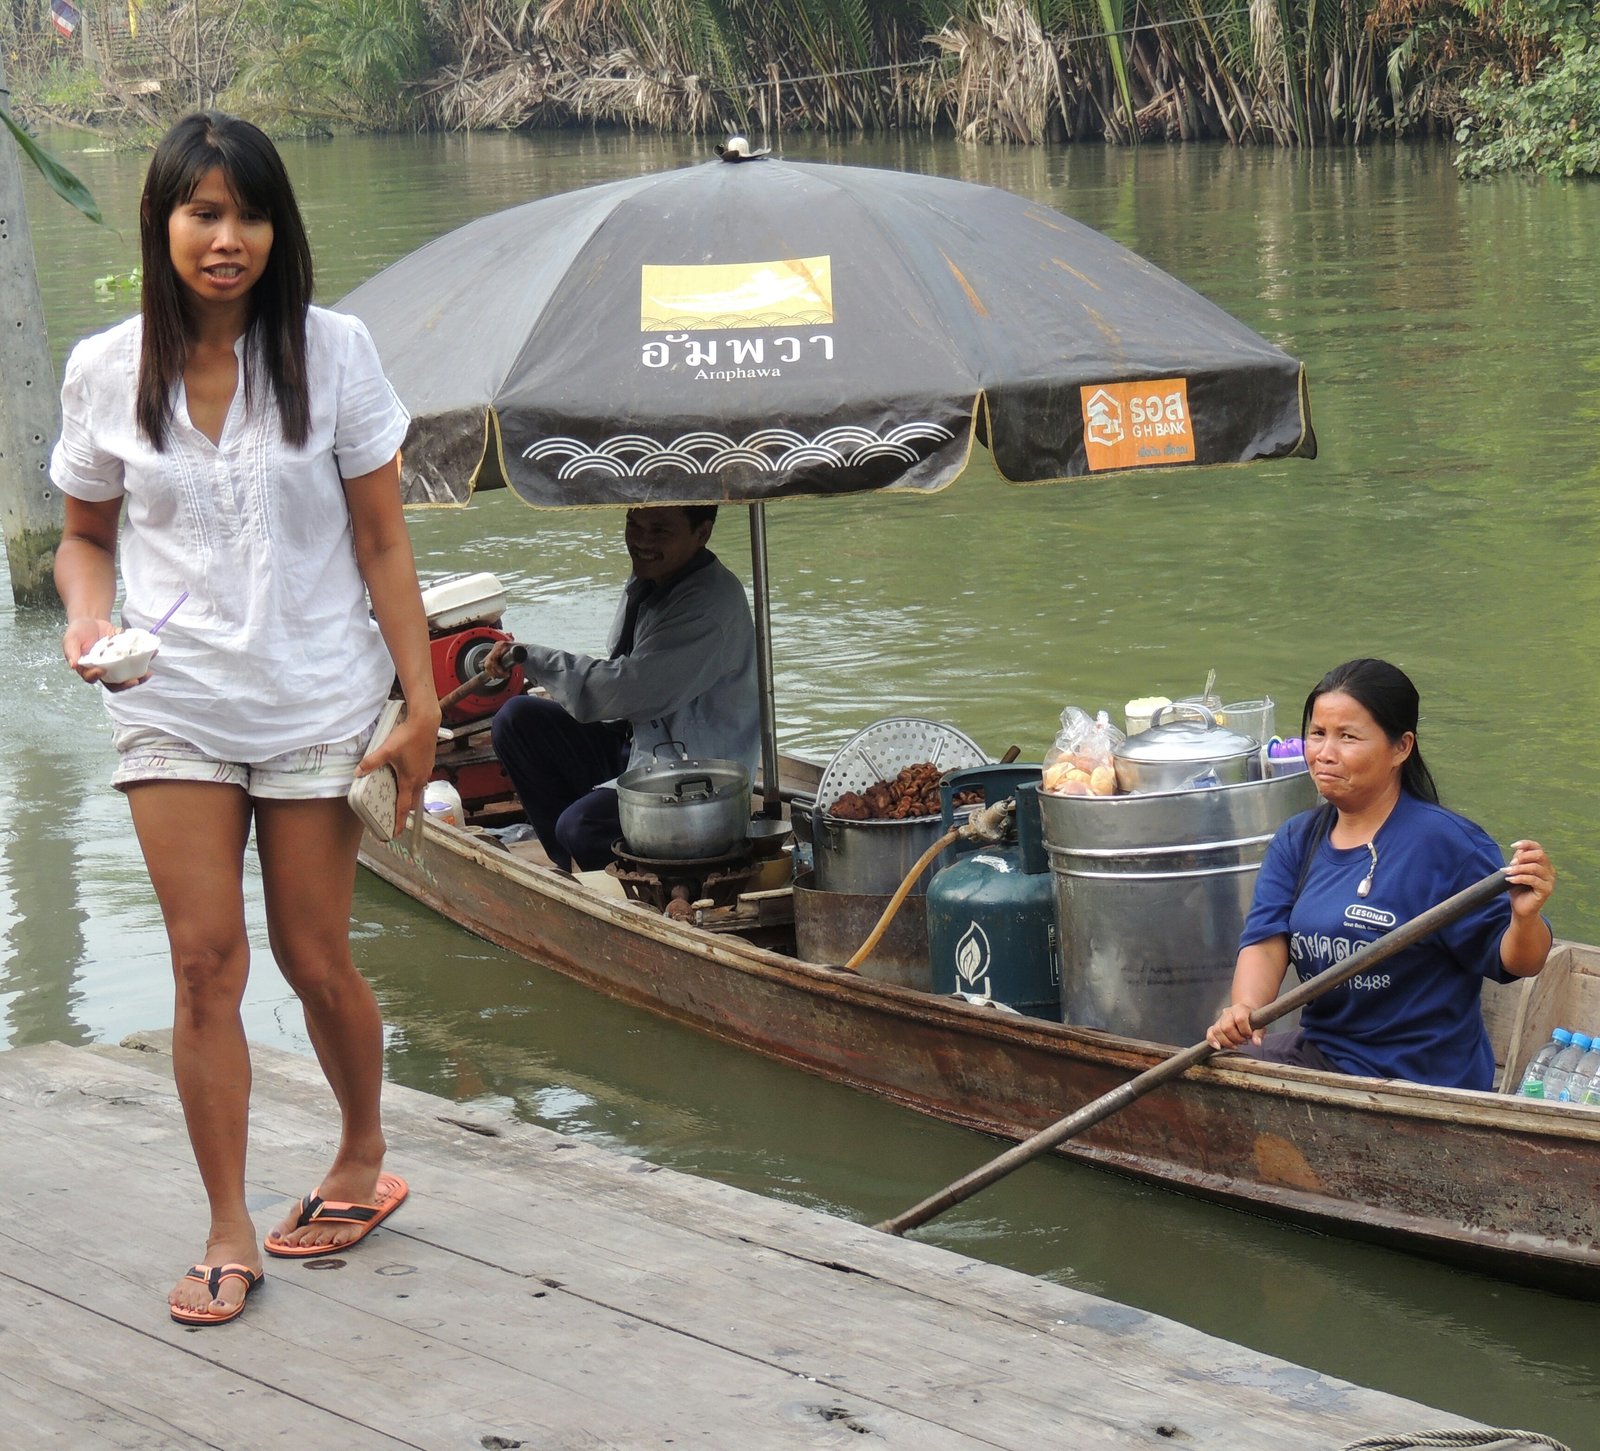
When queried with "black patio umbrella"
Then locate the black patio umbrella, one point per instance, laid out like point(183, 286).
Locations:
point(739, 333)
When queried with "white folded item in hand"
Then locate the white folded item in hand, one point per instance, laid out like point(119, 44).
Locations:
point(375, 796)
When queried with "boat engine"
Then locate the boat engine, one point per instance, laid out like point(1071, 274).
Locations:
point(458, 656)
point(463, 626)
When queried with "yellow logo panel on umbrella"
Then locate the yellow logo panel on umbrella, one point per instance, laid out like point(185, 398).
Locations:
point(797, 292)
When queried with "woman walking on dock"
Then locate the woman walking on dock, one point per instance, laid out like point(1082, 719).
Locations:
point(253, 442)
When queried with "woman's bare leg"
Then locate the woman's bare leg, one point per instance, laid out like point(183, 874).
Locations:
point(308, 866)
point(193, 837)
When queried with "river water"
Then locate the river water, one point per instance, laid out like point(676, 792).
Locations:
point(1449, 524)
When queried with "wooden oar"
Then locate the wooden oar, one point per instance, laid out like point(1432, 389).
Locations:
point(1119, 1098)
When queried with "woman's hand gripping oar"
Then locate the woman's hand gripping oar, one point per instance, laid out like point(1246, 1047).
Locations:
point(1119, 1098)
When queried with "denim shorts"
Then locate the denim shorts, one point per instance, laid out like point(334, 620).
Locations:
point(311, 774)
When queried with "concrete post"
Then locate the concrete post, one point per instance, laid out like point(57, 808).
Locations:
point(30, 410)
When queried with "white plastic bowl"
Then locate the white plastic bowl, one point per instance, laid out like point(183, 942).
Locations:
point(124, 656)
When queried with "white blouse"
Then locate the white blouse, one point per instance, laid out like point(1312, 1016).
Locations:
point(275, 648)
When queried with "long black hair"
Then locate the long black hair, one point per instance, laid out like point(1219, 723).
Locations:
point(255, 174)
point(1389, 697)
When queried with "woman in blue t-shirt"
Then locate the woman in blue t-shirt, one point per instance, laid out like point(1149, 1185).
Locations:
point(1379, 852)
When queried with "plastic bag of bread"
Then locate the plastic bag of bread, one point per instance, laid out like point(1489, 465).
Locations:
point(1082, 759)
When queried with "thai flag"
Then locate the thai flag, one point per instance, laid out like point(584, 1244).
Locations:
point(64, 16)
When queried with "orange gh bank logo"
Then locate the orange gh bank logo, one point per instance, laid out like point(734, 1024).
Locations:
point(1137, 425)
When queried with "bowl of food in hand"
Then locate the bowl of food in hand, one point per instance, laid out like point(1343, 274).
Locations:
point(123, 656)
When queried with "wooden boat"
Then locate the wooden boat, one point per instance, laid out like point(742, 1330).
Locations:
point(1504, 1184)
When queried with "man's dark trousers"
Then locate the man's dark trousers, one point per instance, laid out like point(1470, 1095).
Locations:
point(554, 762)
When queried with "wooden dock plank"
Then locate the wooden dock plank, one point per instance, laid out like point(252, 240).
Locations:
point(559, 1294)
point(55, 1390)
point(422, 1347)
point(584, 1228)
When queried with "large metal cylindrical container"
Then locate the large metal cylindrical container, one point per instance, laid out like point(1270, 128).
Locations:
point(1151, 893)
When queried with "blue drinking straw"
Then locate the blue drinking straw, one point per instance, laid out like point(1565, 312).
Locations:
point(170, 613)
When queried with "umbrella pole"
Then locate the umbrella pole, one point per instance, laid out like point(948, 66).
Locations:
point(771, 801)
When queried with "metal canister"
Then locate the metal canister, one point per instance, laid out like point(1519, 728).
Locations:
point(1151, 893)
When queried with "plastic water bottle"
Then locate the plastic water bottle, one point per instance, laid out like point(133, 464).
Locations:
point(1533, 1080)
point(1559, 1072)
point(442, 802)
point(1582, 1081)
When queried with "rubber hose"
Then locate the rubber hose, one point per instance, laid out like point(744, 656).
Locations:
point(895, 902)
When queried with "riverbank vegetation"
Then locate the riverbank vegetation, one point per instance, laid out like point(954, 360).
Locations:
point(1515, 82)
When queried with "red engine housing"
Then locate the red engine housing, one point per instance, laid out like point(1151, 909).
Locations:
point(458, 655)
point(480, 780)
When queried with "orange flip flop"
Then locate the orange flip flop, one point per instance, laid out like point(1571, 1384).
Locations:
point(212, 1276)
point(392, 1190)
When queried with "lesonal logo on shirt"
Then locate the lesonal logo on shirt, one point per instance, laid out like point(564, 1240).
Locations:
point(1358, 914)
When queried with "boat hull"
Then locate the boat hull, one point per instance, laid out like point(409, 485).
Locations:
point(1506, 1185)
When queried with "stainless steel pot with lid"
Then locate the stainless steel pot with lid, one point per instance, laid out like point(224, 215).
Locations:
point(1182, 755)
point(682, 809)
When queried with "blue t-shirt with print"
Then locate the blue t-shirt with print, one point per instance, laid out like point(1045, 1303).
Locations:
point(1416, 1015)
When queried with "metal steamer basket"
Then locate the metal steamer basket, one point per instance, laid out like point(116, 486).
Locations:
point(874, 856)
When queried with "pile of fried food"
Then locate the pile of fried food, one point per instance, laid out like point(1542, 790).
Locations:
point(914, 792)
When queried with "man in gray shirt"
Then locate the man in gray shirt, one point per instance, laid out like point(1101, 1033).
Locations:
point(681, 670)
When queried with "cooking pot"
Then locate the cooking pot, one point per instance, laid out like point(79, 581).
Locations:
point(1184, 755)
point(683, 810)
point(869, 857)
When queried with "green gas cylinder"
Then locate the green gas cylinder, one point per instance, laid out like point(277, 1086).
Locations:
point(991, 913)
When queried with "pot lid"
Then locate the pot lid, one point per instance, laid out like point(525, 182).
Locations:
point(682, 781)
point(1185, 740)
